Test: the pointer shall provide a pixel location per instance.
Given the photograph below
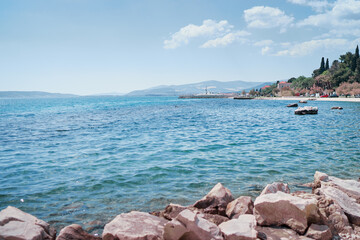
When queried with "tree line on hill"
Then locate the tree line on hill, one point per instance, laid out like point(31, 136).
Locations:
point(343, 77)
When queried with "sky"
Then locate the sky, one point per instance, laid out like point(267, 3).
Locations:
point(105, 46)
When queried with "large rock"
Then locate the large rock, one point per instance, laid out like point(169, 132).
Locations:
point(278, 233)
point(172, 210)
point(134, 226)
point(348, 204)
point(306, 110)
point(75, 232)
point(276, 209)
point(320, 177)
point(276, 187)
point(240, 206)
point(333, 216)
point(17, 225)
point(214, 218)
point(242, 228)
point(216, 200)
point(320, 232)
point(189, 225)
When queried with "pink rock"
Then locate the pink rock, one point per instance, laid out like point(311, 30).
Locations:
point(275, 187)
point(320, 177)
point(214, 218)
point(216, 200)
point(320, 232)
point(276, 209)
point(75, 232)
point(189, 225)
point(242, 228)
point(348, 204)
point(172, 210)
point(134, 226)
point(240, 206)
point(16, 224)
point(278, 233)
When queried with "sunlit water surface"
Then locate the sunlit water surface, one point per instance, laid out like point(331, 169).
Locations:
point(85, 160)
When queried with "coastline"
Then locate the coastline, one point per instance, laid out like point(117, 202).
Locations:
point(330, 211)
point(340, 99)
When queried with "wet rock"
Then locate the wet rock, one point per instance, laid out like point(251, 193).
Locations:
point(189, 225)
point(276, 187)
point(320, 232)
point(172, 210)
point(276, 209)
point(306, 110)
point(75, 232)
point(302, 101)
point(240, 206)
point(348, 204)
point(16, 224)
point(340, 108)
point(278, 233)
point(292, 105)
point(242, 228)
point(216, 201)
point(134, 226)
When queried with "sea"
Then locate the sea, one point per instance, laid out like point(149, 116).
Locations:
point(85, 160)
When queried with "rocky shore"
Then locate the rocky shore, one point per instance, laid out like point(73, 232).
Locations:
point(331, 211)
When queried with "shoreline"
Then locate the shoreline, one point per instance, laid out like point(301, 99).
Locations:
point(340, 99)
point(330, 211)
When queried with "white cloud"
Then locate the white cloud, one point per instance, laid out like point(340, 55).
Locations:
point(227, 39)
point(342, 19)
point(263, 43)
point(208, 28)
point(305, 48)
point(317, 5)
point(267, 17)
point(265, 50)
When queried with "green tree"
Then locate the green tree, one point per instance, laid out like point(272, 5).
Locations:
point(327, 64)
point(322, 66)
point(355, 58)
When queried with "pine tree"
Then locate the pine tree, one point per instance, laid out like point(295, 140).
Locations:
point(322, 66)
point(355, 58)
point(327, 64)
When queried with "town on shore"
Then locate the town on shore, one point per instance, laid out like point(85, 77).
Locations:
point(330, 211)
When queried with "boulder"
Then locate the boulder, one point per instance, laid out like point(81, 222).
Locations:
point(134, 226)
point(350, 187)
point(214, 218)
point(242, 228)
point(75, 232)
point(278, 233)
point(240, 206)
point(16, 224)
point(189, 225)
point(292, 105)
point(306, 110)
point(333, 216)
point(302, 101)
point(277, 209)
point(339, 108)
point(320, 232)
point(216, 201)
point(275, 187)
point(320, 177)
point(348, 204)
point(172, 210)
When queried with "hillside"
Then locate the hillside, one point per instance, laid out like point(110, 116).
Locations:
point(32, 94)
point(195, 88)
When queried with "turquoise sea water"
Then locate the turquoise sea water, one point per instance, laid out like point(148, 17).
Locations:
point(84, 160)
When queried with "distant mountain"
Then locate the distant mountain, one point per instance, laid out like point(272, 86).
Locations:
point(33, 94)
point(195, 88)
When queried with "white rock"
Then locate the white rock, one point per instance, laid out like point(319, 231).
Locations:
point(134, 226)
point(242, 228)
point(276, 209)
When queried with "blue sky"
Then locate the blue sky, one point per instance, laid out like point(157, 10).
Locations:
point(87, 47)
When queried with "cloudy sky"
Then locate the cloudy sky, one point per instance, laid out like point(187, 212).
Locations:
point(100, 46)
